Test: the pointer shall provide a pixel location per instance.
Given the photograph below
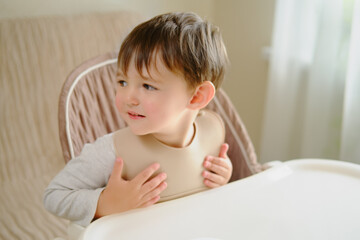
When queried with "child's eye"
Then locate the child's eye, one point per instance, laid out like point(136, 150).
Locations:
point(122, 83)
point(149, 87)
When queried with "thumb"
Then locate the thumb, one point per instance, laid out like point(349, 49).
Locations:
point(117, 169)
point(223, 150)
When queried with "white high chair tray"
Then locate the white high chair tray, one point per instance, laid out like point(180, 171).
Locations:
point(298, 199)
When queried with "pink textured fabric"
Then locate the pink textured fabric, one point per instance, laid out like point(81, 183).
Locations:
point(91, 112)
point(36, 55)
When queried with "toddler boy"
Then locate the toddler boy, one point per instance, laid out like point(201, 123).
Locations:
point(168, 70)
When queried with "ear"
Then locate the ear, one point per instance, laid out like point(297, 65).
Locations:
point(203, 94)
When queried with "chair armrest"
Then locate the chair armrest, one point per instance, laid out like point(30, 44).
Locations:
point(271, 164)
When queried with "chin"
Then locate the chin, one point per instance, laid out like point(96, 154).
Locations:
point(139, 132)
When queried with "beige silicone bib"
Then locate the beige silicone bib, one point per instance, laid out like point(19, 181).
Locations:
point(183, 166)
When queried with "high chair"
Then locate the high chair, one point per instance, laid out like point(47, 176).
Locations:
point(87, 111)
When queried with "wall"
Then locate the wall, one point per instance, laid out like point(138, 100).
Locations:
point(246, 26)
point(149, 8)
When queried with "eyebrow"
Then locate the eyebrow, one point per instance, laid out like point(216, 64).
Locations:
point(151, 79)
point(120, 74)
point(146, 77)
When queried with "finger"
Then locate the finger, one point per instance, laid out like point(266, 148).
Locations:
point(215, 178)
point(144, 176)
point(150, 202)
point(219, 170)
point(211, 184)
point(117, 169)
point(223, 150)
point(153, 183)
point(223, 162)
point(155, 192)
point(217, 165)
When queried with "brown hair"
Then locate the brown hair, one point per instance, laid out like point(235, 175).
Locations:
point(187, 44)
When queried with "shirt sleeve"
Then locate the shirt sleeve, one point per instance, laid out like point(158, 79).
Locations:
point(73, 193)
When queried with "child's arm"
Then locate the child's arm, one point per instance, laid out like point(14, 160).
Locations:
point(121, 195)
point(218, 169)
point(74, 193)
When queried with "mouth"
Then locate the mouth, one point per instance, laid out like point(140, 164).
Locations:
point(134, 115)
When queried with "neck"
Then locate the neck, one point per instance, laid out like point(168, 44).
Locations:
point(181, 135)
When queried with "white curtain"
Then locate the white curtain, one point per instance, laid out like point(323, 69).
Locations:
point(312, 107)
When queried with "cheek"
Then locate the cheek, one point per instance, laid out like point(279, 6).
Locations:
point(162, 108)
point(118, 102)
point(155, 109)
point(151, 107)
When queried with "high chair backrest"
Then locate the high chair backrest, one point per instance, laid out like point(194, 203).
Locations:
point(87, 111)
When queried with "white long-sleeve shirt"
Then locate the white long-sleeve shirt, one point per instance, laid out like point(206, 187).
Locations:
point(73, 194)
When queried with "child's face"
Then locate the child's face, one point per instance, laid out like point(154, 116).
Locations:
point(155, 103)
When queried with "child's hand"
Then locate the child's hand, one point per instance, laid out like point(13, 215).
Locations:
point(219, 169)
point(121, 195)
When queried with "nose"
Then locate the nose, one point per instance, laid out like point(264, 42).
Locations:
point(132, 97)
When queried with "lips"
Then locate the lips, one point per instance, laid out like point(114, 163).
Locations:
point(134, 115)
